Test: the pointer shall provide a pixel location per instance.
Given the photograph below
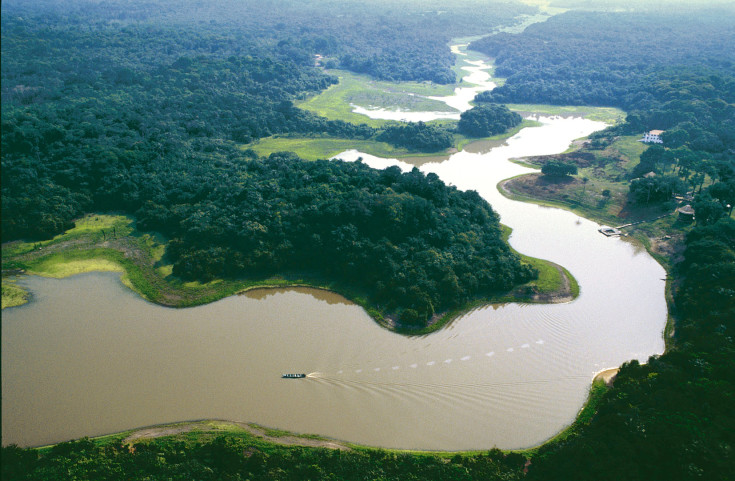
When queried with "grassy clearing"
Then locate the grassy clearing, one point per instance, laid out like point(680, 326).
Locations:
point(13, 295)
point(335, 102)
point(602, 197)
point(70, 263)
point(608, 115)
point(313, 148)
point(89, 227)
point(324, 148)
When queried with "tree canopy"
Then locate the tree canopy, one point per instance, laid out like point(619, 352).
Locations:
point(486, 120)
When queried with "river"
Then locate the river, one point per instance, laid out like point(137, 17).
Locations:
point(89, 357)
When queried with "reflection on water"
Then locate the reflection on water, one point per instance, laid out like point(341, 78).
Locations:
point(318, 294)
point(483, 146)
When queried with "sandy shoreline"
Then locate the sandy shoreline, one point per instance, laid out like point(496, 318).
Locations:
point(608, 376)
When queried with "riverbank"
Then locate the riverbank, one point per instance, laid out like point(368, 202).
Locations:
point(601, 194)
point(112, 243)
point(256, 436)
point(313, 148)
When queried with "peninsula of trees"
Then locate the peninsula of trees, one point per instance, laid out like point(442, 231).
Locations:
point(137, 112)
point(138, 108)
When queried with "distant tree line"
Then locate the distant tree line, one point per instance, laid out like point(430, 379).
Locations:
point(406, 41)
point(670, 71)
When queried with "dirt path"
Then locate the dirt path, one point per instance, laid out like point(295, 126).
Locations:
point(215, 427)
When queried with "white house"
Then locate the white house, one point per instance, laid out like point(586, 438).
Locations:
point(654, 137)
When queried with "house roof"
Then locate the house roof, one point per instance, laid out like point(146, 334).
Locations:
point(656, 132)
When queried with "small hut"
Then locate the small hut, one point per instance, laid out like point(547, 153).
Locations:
point(686, 213)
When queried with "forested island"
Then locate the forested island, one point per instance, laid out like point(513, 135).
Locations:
point(140, 109)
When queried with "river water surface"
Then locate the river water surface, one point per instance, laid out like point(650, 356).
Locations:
point(89, 357)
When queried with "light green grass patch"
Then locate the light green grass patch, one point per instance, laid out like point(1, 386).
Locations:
point(59, 266)
point(155, 245)
point(609, 115)
point(630, 148)
point(99, 222)
point(334, 103)
point(98, 226)
point(549, 279)
point(13, 294)
point(325, 148)
point(165, 271)
point(311, 148)
point(203, 285)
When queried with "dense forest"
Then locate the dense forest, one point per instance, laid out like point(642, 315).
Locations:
point(232, 459)
point(94, 119)
point(487, 119)
point(136, 108)
point(415, 245)
point(417, 136)
point(406, 41)
point(671, 72)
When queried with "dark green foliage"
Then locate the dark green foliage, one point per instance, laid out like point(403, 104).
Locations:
point(571, 63)
point(417, 136)
point(487, 120)
point(414, 244)
point(557, 168)
point(655, 188)
point(140, 118)
point(380, 38)
point(673, 72)
point(708, 210)
point(229, 458)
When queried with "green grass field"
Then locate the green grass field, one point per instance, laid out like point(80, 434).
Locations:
point(311, 148)
point(336, 102)
point(12, 294)
point(608, 115)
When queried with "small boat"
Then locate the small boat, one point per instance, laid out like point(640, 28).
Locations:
point(293, 376)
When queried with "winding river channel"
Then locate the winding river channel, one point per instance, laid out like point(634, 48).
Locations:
point(88, 357)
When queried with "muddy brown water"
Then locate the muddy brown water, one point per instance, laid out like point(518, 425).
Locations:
point(88, 357)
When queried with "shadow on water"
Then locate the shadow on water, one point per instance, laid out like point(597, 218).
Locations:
point(319, 294)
